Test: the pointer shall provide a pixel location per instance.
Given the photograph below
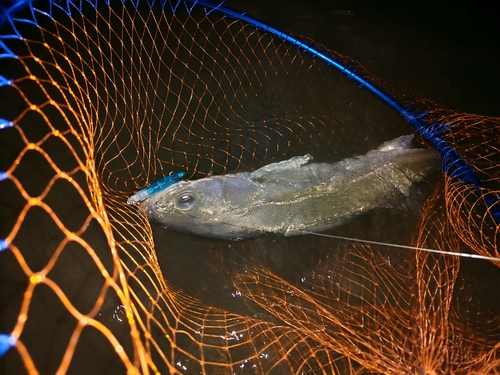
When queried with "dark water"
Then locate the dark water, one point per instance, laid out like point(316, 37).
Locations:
point(446, 52)
point(442, 52)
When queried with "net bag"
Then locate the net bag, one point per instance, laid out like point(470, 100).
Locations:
point(102, 98)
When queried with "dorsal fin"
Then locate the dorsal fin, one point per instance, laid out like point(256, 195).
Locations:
point(281, 169)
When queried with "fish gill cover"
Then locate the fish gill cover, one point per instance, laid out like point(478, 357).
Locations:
point(101, 99)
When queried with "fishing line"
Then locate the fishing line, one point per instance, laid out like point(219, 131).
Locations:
point(464, 255)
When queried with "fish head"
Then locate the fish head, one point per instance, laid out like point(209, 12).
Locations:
point(209, 206)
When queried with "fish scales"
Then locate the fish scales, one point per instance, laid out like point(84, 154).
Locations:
point(295, 195)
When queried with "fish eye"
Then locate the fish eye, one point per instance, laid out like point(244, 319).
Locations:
point(185, 201)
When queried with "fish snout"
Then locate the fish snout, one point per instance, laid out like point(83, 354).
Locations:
point(162, 207)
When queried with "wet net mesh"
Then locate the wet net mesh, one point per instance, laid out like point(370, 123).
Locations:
point(100, 100)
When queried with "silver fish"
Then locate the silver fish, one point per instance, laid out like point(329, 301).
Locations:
point(294, 195)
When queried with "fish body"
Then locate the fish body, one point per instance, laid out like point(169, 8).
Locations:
point(294, 195)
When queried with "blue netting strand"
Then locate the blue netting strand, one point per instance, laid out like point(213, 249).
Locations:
point(4, 245)
point(6, 342)
point(5, 123)
point(4, 82)
point(5, 52)
point(10, 8)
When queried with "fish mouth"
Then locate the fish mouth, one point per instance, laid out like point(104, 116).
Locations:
point(162, 207)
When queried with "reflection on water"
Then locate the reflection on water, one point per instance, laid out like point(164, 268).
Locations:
point(95, 280)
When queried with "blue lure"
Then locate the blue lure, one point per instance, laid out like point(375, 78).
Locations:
point(155, 187)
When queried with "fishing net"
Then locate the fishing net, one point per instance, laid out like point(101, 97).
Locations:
point(101, 99)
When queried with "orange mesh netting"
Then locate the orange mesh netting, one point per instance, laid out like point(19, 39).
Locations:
point(101, 101)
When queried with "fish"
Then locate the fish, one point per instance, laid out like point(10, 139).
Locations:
point(293, 196)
